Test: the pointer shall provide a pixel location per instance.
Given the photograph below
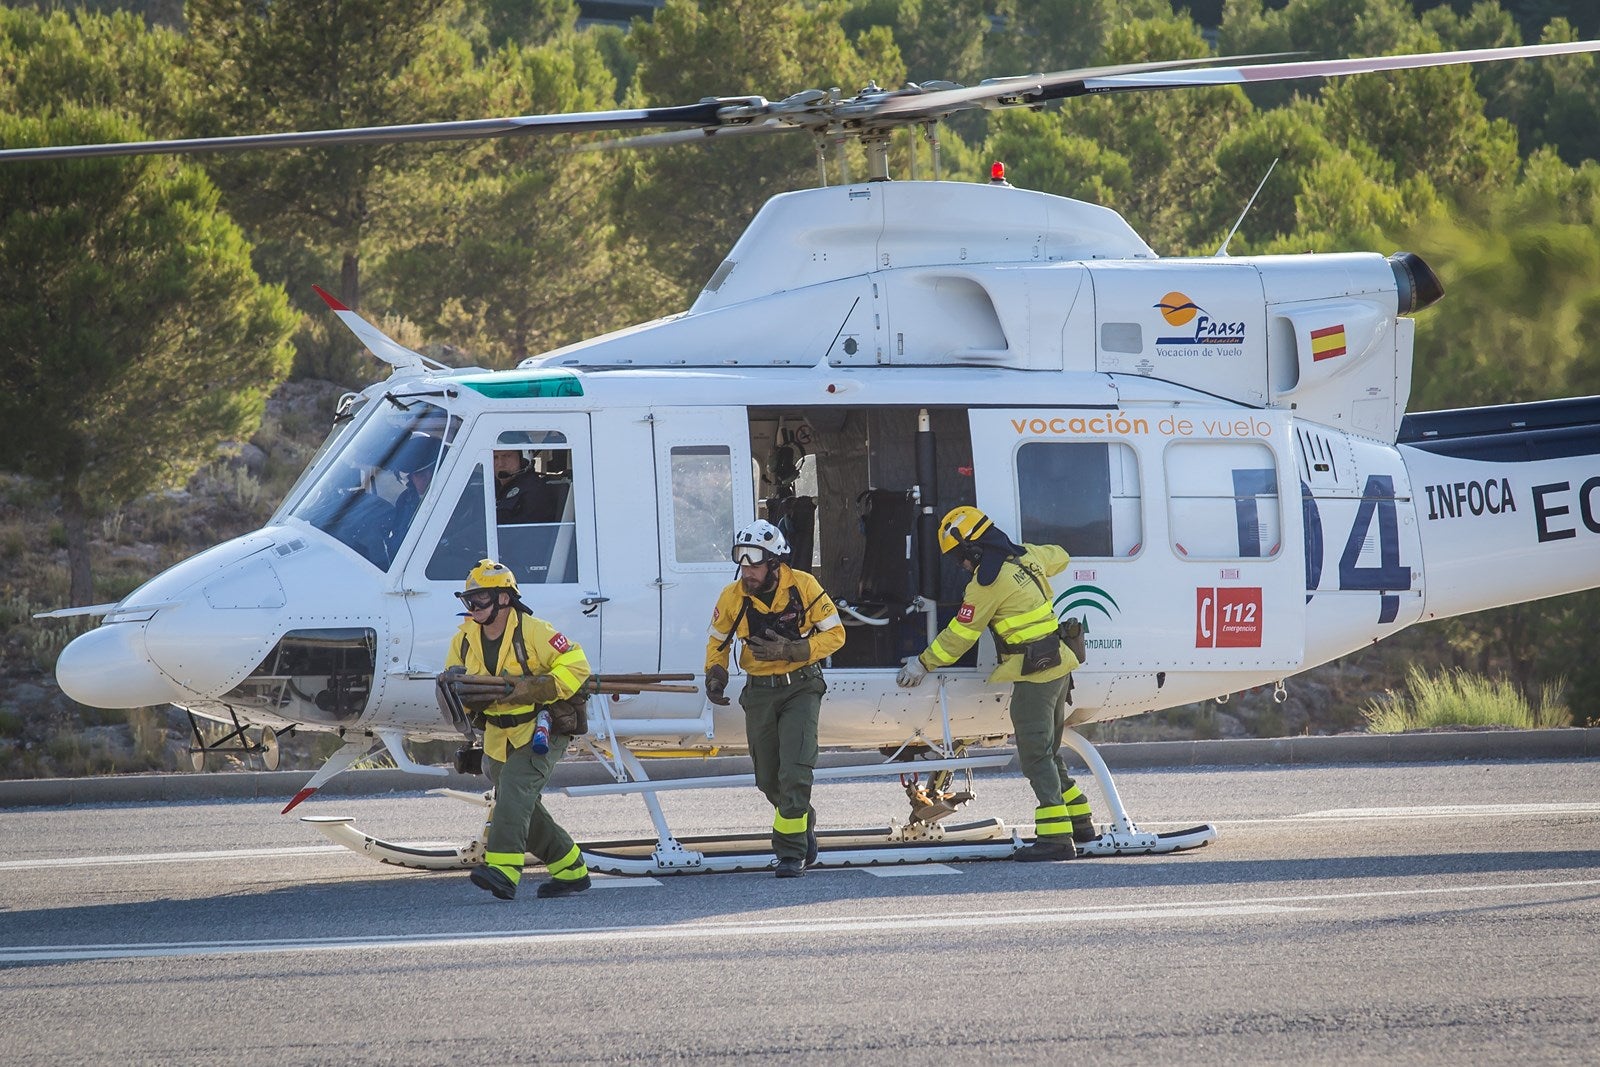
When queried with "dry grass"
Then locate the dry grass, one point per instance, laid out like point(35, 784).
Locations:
point(1456, 698)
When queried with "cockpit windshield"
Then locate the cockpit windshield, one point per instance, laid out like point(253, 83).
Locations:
point(372, 488)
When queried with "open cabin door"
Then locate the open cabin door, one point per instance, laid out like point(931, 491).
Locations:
point(1185, 534)
point(545, 531)
point(706, 487)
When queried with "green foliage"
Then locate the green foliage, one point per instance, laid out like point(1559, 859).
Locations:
point(474, 260)
point(307, 65)
point(133, 332)
point(1457, 698)
point(112, 62)
point(688, 204)
point(1531, 254)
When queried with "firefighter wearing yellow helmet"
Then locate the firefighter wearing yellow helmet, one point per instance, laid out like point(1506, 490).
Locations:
point(1009, 592)
point(502, 639)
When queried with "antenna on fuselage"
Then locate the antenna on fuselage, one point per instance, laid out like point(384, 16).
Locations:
point(1248, 205)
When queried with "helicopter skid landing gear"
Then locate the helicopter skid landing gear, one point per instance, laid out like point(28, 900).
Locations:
point(912, 843)
point(1122, 837)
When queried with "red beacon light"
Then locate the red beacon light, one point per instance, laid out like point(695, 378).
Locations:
point(997, 173)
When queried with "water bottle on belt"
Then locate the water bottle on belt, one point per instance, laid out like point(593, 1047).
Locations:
point(541, 733)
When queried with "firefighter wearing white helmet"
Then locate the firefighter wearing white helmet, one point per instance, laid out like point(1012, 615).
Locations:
point(1010, 594)
point(786, 626)
point(513, 666)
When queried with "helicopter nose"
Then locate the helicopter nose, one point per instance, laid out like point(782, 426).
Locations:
point(108, 667)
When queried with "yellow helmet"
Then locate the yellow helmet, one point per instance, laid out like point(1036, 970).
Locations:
point(961, 526)
point(490, 575)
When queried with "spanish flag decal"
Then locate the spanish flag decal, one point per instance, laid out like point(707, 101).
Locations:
point(1327, 342)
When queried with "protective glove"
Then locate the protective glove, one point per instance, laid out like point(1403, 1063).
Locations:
point(769, 646)
point(912, 674)
point(717, 685)
point(476, 691)
point(533, 689)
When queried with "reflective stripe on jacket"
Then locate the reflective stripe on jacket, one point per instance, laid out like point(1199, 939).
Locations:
point(549, 652)
point(1018, 610)
point(820, 623)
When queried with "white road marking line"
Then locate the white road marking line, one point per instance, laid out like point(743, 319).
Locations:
point(1439, 811)
point(908, 870)
point(851, 926)
point(171, 857)
point(622, 881)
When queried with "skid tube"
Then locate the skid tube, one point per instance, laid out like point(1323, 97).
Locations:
point(896, 844)
point(988, 839)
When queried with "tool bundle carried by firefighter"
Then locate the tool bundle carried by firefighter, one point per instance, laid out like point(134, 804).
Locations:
point(523, 680)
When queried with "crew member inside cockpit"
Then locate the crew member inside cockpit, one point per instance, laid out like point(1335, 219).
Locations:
point(413, 463)
point(521, 492)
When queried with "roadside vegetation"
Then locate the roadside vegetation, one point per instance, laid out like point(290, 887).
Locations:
point(200, 370)
point(1458, 699)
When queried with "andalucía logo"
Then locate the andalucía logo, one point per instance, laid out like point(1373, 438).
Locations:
point(1085, 596)
point(1180, 311)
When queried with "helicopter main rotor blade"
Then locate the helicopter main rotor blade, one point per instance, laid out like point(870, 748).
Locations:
point(707, 113)
point(672, 137)
point(1035, 88)
point(1326, 68)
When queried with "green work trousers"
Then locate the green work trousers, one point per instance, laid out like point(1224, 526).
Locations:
point(521, 822)
point(780, 722)
point(1038, 715)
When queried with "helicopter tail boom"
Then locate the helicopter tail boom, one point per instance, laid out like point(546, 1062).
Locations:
point(1507, 500)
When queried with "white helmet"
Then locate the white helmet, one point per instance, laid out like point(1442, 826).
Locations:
point(759, 542)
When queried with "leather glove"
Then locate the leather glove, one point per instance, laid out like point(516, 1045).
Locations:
point(769, 646)
point(533, 689)
point(911, 674)
point(717, 685)
point(476, 691)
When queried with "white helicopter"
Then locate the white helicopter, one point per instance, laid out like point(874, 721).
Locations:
point(1221, 443)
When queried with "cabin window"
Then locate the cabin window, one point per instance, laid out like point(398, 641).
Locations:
point(1223, 500)
point(702, 503)
point(1083, 496)
point(535, 528)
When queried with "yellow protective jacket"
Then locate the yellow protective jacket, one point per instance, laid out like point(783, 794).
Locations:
point(799, 607)
point(549, 651)
point(1017, 610)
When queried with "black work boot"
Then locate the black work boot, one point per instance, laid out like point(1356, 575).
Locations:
point(1083, 830)
point(811, 838)
point(494, 880)
point(1046, 850)
point(562, 887)
point(790, 867)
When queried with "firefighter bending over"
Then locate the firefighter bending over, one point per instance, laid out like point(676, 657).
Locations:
point(1009, 592)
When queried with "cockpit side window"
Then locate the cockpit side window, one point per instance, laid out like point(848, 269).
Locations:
point(535, 523)
point(371, 490)
point(466, 536)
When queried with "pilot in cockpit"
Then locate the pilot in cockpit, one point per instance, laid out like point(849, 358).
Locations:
point(413, 463)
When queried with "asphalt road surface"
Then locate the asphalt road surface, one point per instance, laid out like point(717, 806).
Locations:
point(1419, 913)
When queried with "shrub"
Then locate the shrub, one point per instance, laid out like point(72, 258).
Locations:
point(1457, 698)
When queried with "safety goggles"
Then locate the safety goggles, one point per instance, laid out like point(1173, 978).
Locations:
point(477, 600)
point(749, 555)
